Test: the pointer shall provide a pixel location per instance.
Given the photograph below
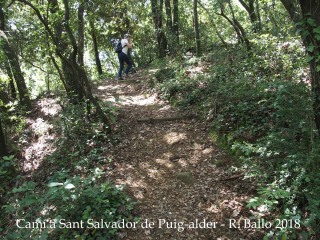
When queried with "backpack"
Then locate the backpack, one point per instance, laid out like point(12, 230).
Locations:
point(118, 48)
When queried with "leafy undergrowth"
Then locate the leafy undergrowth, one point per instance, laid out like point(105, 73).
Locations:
point(260, 109)
point(59, 191)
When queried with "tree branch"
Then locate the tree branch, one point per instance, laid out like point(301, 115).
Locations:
point(44, 22)
point(69, 31)
point(212, 22)
point(35, 66)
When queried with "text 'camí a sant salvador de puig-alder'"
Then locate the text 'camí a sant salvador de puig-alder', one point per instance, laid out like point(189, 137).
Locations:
point(180, 226)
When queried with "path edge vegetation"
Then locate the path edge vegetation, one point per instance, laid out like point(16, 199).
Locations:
point(266, 123)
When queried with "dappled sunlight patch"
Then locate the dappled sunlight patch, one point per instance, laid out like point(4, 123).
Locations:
point(154, 173)
point(132, 181)
point(212, 208)
point(109, 87)
point(144, 165)
point(40, 126)
point(183, 163)
point(139, 194)
point(164, 162)
point(208, 151)
point(174, 137)
point(140, 100)
point(41, 144)
point(165, 108)
point(136, 183)
point(39, 137)
point(153, 70)
point(194, 70)
point(49, 106)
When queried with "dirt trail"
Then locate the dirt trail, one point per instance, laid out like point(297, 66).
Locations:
point(171, 169)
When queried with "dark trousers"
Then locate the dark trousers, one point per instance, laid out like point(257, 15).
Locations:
point(123, 58)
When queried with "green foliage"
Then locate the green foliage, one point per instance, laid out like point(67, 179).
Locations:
point(8, 170)
point(310, 31)
point(64, 204)
point(261, 109)
point(73, 192)
point(83, 142)
point(164, 74)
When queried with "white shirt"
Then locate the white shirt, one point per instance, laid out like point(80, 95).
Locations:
point(124, 49)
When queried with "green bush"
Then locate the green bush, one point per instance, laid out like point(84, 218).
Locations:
point(63, 202)
point(164, 74)
point(75, 192)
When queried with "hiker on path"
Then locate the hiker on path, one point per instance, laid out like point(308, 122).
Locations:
point(123, 55)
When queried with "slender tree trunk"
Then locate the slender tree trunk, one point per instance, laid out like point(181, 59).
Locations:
point(95, 47)
point(258, 14)
point(169, 16)
point(17, 73)
point(273, 17)
point(196, 27)
point(14, 65)
point(239, 26)
point(3, 147)
point(240, 38)
point(169, 25)
point(81, 33)
point(62, 44)
point(157, 20)
point(176, 19)
point(13, 92)
point(250, 8)
point(73, 73)
point(213, 24)
point(172, 26)
point(55, 64)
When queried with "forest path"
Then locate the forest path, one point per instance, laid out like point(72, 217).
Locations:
point(172, 168)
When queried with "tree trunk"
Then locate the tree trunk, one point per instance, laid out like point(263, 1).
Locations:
point(196, 27)
point(240, 38)
point(169, 16)
point(172, 42)
point(81, 33)
point(258, 9)
point(77, 83)
point(55, 64)
point(176, 19)
point(95, 47)
point(157, 20)
point(213, 24)
point(310, 9)
point(70, 78)
point(293, 10)
point(3, 147)
point(13, 93)
point(16, 71)
point(14, 65)
point(239, 26)
point(252, 14)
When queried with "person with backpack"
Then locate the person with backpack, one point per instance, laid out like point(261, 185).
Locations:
point(122, 50)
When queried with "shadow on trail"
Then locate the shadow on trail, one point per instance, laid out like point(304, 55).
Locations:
point(170, 169)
